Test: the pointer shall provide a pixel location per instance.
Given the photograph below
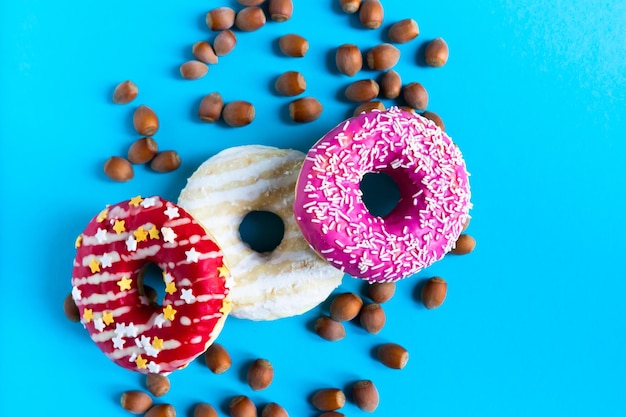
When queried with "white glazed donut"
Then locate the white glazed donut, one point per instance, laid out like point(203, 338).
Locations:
point(287, 281)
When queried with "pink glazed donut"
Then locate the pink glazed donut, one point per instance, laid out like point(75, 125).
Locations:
point(434, 195)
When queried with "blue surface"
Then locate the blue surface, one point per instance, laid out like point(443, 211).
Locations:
point(534, 93)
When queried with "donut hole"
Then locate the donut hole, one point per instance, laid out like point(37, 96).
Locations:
point(380, 193)
point(150, 283)
point(262, 230)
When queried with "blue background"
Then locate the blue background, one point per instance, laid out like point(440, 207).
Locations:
point(534, 93)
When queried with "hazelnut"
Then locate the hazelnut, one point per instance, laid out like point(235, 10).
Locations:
point(415, 95)
point(193, 70)
point(403, 31)
point(332, 414)
point(371, 14)
point(434, 292)
point(436, 53)
point(137, 402)
point(390, 84)
point(349, 59)
point(242, 406)
point(70, 309)
point(380, 292)
point(345, 307)
point(329, 329)
point(393, 355)
point(204, 410)
point(142, 150)
point(238, 113)
point(145, 121)
point(224, 42)
point(274, 410)
point(220, 18)
point(211, 107)
point(125, 92)
point(203, 51)
point(293, 45)
point(368, 106)
point(118, 169)
point(305, 110)
point(165, 161)
point(280, 10)
point(382, 57)
point(362, 90)
point(250, 19)
point(372, 318)
point(290, 83)
point(157, 384)
point(435, 118)
point(161, 410)
point(328, 399)
point(350, 6)
point(464, 245)
point(217, 358)
point(365, 395)
point(260, 374)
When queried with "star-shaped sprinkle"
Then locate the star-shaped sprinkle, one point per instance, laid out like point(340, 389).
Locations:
point(140, 234)
point(76, 293)
point(124, 283)
point(154, 232)
point(157, 343)
point(101, 235)
point(119, 226)
point(120, 329)
point(192, 255)
point(167, 277)
point(94, 265)
point(107, 317)
point(223, 271)
point(170, 288)
point(118, 342)
point(187, 295)
point(102, 215)
point(169, 312)
point(154, 368)
point(135, 201)
point(106, 260)
point(132, 357)
point(151, 351)
point(159, 320)
point(78, 241)
point(131, 244)
point(131, 330)
point(172, 212)
point(98, 324)
point(141, 362)
point(168, 234)
point(87, 315)
point(227, 307)
point(149, 202)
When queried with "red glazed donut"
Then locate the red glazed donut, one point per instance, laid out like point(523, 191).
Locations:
point(112, 253)
point(434, 187)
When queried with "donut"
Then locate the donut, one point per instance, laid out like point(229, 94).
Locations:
point(112, 254)
point(432, 178)
point(287, 281)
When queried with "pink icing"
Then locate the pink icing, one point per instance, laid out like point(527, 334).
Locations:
point(433, 182)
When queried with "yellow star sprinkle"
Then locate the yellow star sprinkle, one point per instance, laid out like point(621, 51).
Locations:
point(78, 242)
point(135, 201)
point(157, 343)
point(124, 283)
point(140, 235)
point(87, 315)
point(119, 226)
point(170, 287)
point(141, 362)
point(103, 215)
point(154, 232)
point(107, 317)
point(227, 307)
point(169, 312)
point(223, 271)
point(94, 265)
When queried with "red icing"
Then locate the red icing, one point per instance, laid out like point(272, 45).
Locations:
point(194, 323)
